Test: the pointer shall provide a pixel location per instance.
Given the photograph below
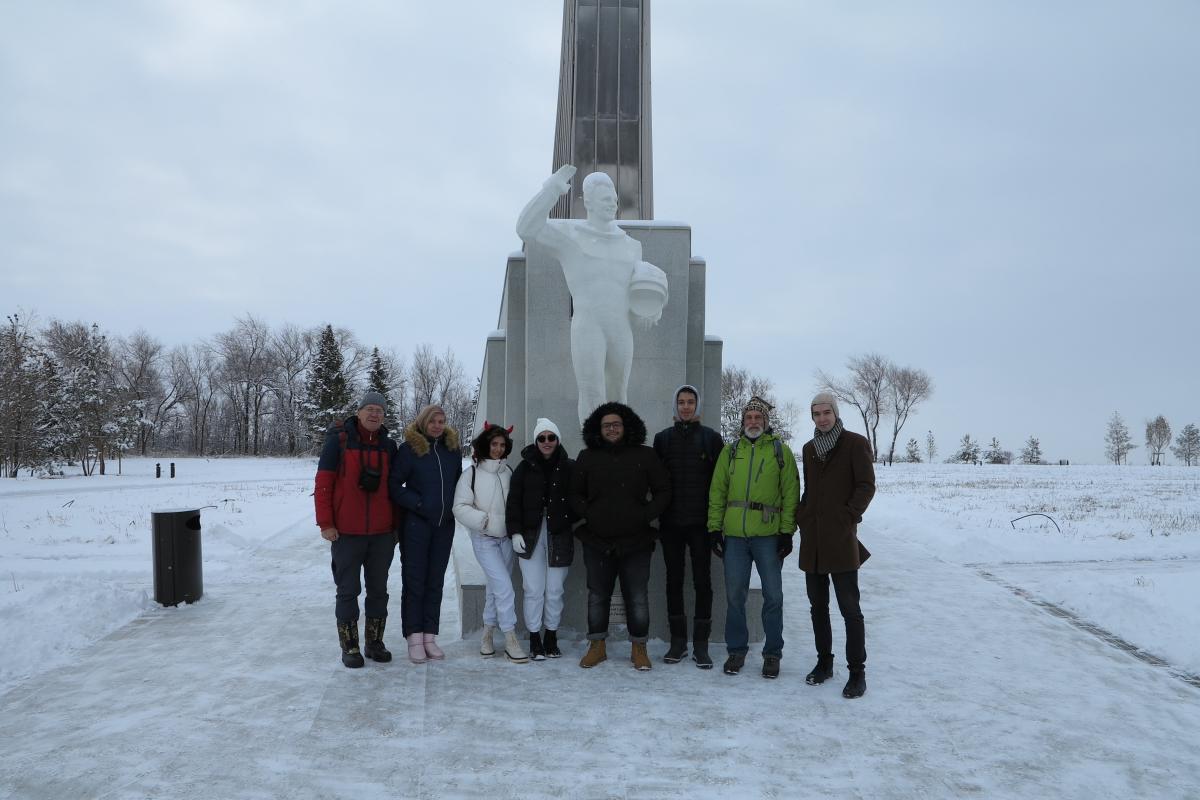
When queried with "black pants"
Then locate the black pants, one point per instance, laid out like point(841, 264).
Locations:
point(602, 572)
point(424, 557)
point(845, 585)
point(674, 542)
point(370, 554)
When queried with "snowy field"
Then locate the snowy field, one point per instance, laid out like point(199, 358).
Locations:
point(974, 689)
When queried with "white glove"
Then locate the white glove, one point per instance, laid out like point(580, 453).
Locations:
point(518, 543)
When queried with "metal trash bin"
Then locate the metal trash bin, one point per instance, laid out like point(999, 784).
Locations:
point(177, 561)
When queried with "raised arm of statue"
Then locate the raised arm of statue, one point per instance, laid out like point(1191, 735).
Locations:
point(533, 221)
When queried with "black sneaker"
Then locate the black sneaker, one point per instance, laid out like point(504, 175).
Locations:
point(551, 645)
point(734, 664)
point(770, 666)
point(537, 652)
point(822, 672)
point(856, 686)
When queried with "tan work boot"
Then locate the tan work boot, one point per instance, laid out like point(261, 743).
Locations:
point(641, 661)
point(594, 655)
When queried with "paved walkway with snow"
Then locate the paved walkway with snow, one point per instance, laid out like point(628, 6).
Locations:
point(972, 692)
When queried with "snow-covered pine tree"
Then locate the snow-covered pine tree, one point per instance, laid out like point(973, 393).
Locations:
point(1187, 445)
point(328, 394)
point(968, 450)
point(379, 380)
point(913, 453)
point(1032, 452)
point(995, 453)
point(931, 450)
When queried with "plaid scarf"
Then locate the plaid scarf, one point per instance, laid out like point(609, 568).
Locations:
point(824, 442)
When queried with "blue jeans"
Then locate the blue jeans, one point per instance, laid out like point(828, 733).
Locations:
point(740, 552)
point(603, 570)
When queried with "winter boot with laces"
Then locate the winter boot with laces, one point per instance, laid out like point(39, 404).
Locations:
point(641, 661)
point(770, 667)
point(678, 650)
point(512, 649)
point(596, 653)
point(550, 642)
point(822, 672)
point(701, 628)
point(374, 648)
point(487, 647)
point(734, 664)
point(348, 638)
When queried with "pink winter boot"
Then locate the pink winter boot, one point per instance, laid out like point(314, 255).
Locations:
point(416, 648)
point(431, 648)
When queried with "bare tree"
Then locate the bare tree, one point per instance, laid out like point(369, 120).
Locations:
point(1187, 445)
point(1117, 440)
point(246, 371)
point(1158, 436)
point(194, 369)
point(904, 389)
point(930, 446)
point(140, 363)
point(291, 354)
point(865, 388)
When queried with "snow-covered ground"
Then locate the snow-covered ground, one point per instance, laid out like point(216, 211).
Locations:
point(974, 690)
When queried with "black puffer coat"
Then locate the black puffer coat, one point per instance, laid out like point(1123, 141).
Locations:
point(539, 487)
point(689, 451)
point(618, 489)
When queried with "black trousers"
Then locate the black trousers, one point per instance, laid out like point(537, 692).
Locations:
point(845, 585)
point(371, 555)
point(675, 540)
point(602, 572)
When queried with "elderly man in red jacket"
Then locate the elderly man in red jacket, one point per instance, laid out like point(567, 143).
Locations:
point(355, 516)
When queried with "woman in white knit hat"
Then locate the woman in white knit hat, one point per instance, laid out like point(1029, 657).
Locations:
point(539, 523)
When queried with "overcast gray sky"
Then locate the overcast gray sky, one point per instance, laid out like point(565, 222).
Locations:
point(1004, 194)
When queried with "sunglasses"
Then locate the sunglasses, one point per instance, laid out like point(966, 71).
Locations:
point(547, 437)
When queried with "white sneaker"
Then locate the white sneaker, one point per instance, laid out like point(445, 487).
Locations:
point(486, 648)
point(512, 648)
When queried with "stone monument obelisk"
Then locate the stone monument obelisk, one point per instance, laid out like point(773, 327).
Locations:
point(533, 363)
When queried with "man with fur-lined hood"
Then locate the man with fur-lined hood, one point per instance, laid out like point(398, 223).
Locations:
point(618, 487)
point(689, 451)
point(426, 472)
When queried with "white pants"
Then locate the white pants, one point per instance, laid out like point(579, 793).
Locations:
point(543, 587)
point(495, 555)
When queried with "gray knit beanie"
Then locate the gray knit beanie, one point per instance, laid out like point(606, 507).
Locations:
point(372, 398)
point(823, 398)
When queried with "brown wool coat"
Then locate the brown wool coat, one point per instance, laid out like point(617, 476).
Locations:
point(836, 495)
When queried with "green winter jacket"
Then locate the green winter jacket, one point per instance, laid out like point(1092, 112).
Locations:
point(749, 497)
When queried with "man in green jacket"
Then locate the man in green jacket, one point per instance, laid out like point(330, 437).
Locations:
point(751, 519)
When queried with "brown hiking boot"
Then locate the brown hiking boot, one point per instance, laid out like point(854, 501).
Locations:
point(594, 655)
point(641, 661)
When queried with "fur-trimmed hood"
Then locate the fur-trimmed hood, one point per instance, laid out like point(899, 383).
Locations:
point(635, 429)
point(420, 443)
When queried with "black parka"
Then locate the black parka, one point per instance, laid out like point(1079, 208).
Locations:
point(618, 489)
point(689, 451)
point(539, 487)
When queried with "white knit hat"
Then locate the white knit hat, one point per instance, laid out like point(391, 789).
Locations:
point(544, 425)
point(825, 397)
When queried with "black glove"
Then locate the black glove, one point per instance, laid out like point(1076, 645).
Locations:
point(717, 542)
point(783, 545)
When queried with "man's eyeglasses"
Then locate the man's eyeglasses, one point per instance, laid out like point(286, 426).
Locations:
point(612, 426)
point(547, 437)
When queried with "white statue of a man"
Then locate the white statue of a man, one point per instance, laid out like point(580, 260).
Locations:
point(607, 279)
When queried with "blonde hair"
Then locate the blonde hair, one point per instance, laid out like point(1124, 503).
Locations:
point(426, 414)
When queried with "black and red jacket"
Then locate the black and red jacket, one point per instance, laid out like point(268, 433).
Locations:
point(340, 502)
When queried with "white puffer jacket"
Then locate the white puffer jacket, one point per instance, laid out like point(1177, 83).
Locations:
point(482, 511)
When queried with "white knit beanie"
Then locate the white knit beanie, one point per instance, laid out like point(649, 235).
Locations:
point(823, 398)
point(544, 425)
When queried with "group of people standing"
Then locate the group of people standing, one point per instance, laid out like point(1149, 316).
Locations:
point(741, 501)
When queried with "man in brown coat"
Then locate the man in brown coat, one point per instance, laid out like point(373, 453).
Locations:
point(839, 482)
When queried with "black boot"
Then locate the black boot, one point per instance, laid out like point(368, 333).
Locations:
point(701, 628)
point(348, 637)
point(857, 685)
point(537, 652)
point(374, 648)
point(550, 642)
point(734, 664)
point(678, 649)
point(822, 672)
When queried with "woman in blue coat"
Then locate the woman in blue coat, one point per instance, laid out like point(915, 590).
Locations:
point(426, 472)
